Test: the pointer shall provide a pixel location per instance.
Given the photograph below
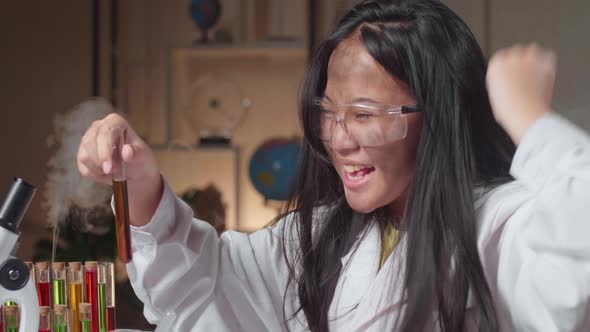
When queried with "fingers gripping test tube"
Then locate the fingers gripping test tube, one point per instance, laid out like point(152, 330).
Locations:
point(121, 201)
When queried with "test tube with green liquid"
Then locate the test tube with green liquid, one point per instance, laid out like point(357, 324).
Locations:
point(59, 283)
point(11, 317)
point(85, 316)
point(60, 318)
point(102, 298)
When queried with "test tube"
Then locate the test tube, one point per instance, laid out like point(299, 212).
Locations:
point(11, 319)
point(85, 317)
point(44, 319)
point(59, 283)
point(92, 291)
point(60, 318)
point(102, 305)
point(2, 315)
point(43, 287)
point(76, 296)
point(110, 296)
point(121, 201)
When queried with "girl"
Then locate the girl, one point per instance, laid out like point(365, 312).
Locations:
point(413, 209)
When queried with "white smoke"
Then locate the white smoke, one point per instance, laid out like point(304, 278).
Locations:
point(65, 186)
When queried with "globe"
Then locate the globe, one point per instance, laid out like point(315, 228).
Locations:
point(205, 14)
point(273, 166)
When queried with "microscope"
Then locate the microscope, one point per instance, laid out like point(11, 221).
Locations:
point(16, 284)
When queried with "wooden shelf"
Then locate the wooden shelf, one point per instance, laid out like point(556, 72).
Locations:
point(241, 51)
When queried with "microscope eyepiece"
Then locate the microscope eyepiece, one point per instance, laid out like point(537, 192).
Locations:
point(15, 204)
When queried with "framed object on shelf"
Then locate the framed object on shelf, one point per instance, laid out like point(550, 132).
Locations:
point(146, 31)
point(269, 77)
point(186, 170)
point(211, 88)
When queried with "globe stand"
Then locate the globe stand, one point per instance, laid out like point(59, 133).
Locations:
point(204, 38)
point(214, 141)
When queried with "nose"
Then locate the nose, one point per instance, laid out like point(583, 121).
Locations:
point(341, 140)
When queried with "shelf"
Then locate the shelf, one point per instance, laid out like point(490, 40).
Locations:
point(241, 51)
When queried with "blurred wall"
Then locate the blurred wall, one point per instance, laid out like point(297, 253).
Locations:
point(45, 68)
point(562, 25)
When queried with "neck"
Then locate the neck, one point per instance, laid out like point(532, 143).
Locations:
point(398, 206)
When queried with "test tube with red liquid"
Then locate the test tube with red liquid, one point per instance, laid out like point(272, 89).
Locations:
point(122, 227)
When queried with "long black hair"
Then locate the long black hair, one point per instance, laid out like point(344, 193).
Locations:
point(461, 147)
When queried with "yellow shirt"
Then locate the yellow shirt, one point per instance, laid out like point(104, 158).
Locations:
point(389, 239)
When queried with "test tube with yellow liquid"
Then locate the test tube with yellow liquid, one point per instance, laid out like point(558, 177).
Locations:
point(76, 296)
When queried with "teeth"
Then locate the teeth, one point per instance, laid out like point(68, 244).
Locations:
point(352, 169)
point(356, 178)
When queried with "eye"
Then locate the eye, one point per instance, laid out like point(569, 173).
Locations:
point(363, 116)
point(326, 112)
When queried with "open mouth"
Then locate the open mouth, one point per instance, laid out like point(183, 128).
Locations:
point(358, 173)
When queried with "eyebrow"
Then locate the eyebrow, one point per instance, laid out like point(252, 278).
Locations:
point(365, 100)
point(356, 100)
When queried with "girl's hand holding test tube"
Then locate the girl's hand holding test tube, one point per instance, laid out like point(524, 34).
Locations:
point(96, 161)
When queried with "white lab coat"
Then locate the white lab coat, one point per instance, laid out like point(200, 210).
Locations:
point(533, 237)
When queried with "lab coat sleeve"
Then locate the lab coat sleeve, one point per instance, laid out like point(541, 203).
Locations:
point(183, 270)
point(543, 267)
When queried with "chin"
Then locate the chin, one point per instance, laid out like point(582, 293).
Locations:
point(361, 205)
point(364, 203)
